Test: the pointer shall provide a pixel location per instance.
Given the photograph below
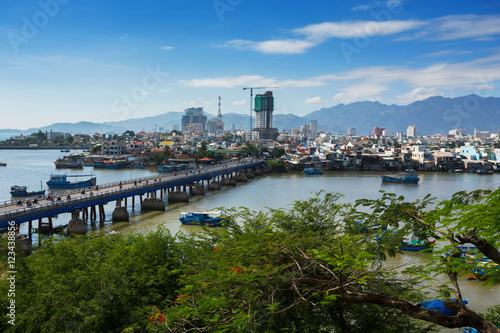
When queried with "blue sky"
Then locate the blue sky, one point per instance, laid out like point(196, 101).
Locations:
point(70, 61)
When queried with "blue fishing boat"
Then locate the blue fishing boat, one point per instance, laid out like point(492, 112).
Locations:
point(61, 182)
point(415, 245)
point(469, 330)
point(114, 164)
point(22, 191)
point(313, 171)
point(482, 269)
point(210, 219)
point(484, 172)
point(408, 177)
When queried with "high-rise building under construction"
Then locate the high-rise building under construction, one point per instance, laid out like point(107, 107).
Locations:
point(264, 108)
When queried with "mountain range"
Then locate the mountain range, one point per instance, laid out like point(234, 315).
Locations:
point(433, 115)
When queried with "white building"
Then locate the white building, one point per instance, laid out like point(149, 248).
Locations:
point(411, 131)
point(314, 129)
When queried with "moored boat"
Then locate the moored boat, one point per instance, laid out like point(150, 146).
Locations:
point(22, 191)
point(484, 172)
point(408, 177)
point(112, 164)
point(415, 245)
point(3, 164)
point(62, 163)
point(210, 219)
point(313, 171)
point(61, 182)
point(64, 150)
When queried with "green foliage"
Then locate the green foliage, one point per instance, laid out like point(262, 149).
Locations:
point(315, 267)
point(278, 166)
point(95, 284)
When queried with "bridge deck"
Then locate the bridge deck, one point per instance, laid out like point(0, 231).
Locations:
point(9, 211)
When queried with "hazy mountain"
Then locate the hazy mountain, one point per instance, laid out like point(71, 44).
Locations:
point(432, 115)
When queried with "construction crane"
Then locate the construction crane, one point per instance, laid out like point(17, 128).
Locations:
point(251, 100)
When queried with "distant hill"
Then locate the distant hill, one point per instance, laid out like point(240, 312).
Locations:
point(430, 116)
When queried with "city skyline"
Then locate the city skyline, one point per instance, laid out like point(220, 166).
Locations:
point(64, 61)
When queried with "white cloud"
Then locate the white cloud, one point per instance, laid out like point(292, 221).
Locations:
point(167, 48)
point(284, 46)
point(239, 102)
point(355, 29)
point(455, 27)
point(367, 83)
point(360, 92)
point(314, 100)
point(418, 94)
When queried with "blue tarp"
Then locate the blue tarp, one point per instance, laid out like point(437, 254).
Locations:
point(438, 305)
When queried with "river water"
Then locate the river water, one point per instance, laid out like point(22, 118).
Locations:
point(34, 167)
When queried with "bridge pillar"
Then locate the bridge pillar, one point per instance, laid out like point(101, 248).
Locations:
point(30, 226)
point(196, 190)
point(213, 185)
point(178, 196)
point(102, 213)
point(228, 182)
point(120, 213)
point(76, 225)
point(125, 204)
point(133, 202)
point(240, 177)
point(249, 173)
point(24, 245)
point(93, 214)
point(258, 172)
point(153, 204)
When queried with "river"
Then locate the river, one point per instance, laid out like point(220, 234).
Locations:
point(34, 167)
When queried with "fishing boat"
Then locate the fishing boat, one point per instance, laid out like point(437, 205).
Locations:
point(111, 164)
point(469, 330)
point(61, 182)
point(3, 164)
point(313, 171)
point(482, 269)
point(408, 177)
point(64, 150)
point(210, 219)
point(415, 245)
point(71, 163)
point(22, 191)
point(484, 172)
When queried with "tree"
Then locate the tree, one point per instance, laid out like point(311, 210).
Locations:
point(94, 284)
point(310, 269)
point(128, 133)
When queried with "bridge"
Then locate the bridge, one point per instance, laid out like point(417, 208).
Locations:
point(118, 191)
